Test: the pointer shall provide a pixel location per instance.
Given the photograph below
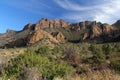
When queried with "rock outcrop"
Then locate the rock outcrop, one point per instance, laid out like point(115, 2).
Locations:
point(97, 29)
point(29, 26)
point(39, 35)
point(58, 36)
point(108, 28)
point(47, 23)
point(85, 36)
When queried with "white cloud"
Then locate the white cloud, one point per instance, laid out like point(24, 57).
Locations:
point(107, 12)
point(72, 5)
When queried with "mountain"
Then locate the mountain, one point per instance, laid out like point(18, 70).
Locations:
point(68, 51)
point(57, 31)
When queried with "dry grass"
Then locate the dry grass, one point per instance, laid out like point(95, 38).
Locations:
point(7, 54)
point(99, 75)
point(12, 51)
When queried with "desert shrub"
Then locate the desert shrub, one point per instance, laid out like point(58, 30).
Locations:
point(116, 65)
point(92, 48)
point(81, 70)
point(56, 50)
point(5, 77)
point(71, 55)
point(106, 49)
point(98, 56)
point(117, 47)
point(56, 53)
point(43, 50)
point(48, 68)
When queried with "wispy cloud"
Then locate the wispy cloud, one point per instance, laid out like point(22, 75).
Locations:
point(73, 10)
point(72, 5)
point(107, 11)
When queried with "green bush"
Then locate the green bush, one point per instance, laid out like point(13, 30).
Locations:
point(56, 50)
point(117, 47)
point(48, 68)
point(98, 56)
point(43, 50)
point(106, 49)
point(116, 65)
point(81, 70)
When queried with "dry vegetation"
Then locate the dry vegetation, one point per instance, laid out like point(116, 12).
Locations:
point(67, 61)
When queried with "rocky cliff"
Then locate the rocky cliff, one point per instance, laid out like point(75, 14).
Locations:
point(39, 35)
point(47, 23)
point(60, 31)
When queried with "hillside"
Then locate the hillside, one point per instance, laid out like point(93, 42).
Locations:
point(59, 50)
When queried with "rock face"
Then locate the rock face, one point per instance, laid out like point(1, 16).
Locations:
point(85, 36)
point(94, 29)
point(29, 26)
point(108, 29)
point(58, 36)
point(47, 23)
point(98, 30)
point(39, 35)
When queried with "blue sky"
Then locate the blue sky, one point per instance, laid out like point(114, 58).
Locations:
point(14, 14)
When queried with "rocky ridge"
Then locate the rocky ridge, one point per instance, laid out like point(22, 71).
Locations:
point(60, 31)
point(47, 23)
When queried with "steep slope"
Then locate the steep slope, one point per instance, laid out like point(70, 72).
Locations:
point(17, 40)
point(4, 38)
